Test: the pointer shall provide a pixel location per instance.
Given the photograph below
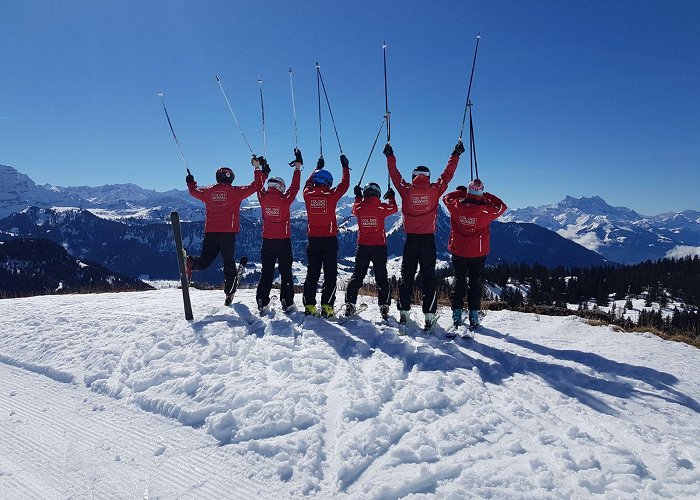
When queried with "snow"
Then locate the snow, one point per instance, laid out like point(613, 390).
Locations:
point(116, 395)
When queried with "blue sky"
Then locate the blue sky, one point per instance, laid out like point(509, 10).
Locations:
point(570, 98)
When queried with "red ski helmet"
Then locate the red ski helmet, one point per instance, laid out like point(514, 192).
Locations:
point(225, 175)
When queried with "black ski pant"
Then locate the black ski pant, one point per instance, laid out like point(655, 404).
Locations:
point(321, 252)
point(418, 250)
point(376, 254)
point(472, 268)
point(213, 245)
point(280, 252)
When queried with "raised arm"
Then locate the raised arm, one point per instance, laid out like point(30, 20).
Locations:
point(496, 204)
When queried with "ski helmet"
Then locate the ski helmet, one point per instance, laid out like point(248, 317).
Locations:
point(225, 175)
point(476, 187)
point(372, 189)
point(277, 183)
point(421, 170)
point(323, 177)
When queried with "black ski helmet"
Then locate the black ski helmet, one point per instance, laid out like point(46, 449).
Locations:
point(224, 175)
point(371, 189)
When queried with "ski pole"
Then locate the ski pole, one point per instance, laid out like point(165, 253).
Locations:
point(318, 94)
point(386, 114)
point(469, 90)
point(162, 100)
point(328, 102)
point(386, 99)
point(218, 80)
point(294, 111)
point(262, 108)
point(472, 145)
point(371, 151)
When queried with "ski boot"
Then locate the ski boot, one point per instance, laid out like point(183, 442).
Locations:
point(349, 309)
point(430, 320)
point(457, 317)
point(310, 310)
point(288, 308)
point(263, 309)
point(384, 311)
point(327, 310)
point(229, 299)
point(473, 318)
point(403, 317)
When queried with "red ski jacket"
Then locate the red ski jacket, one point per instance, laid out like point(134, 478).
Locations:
point(370, 213)
point(470, 219)
point(274, 206)
point(223, 203)
point(321, 203)
point(420, 198)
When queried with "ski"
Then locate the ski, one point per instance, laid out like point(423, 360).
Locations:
point(177, 233)
point(241, 268)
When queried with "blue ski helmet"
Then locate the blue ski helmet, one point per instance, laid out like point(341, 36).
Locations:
point(224, 175)
point(323, 177)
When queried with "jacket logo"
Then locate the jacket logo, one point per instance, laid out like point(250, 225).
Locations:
point(218, 196)
point(423, 199)
point(467, 221)
point(272, 211)
point(318, 205)
point(369, 222)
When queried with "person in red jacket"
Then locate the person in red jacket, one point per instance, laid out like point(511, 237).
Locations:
point(371, 244)
point(277, 237)
point(223, 204)
point(419, 206)
point(471, 212)
point(322, 251)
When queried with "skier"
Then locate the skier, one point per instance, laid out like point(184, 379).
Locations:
point(371, 244)
point(419, 205)
point(277, 243)
point(322, 250)
point(471, 212)
point(223, 203)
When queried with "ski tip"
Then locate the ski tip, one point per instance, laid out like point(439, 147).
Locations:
point(217, 78)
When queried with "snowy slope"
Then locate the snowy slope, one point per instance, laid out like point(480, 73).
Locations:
point(117, 395)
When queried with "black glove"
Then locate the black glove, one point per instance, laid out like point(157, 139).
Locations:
point(388, 150)
point(263, 165)
point(344, 161)
point(320, 163)
point(297, 158)
point(358, 191)
point(459, 149)
point(462, 188)
point(389, 194)
point(189, 178)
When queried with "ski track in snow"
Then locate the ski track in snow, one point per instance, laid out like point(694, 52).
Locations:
point(116, 395)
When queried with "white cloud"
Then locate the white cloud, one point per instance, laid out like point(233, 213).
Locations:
point(683, 251)
point(586, 240)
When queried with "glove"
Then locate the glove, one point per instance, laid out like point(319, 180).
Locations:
point(358, 191)
point(265, 167)
point(389, 194)
point(297, 158)
point(462, 188)
point(320, 163)
point(459, 149)
point(189, 178)
point(344, 161)
point(388, 150)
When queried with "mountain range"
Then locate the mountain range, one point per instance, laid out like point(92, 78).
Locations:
point(125, 228)
point(617, 233)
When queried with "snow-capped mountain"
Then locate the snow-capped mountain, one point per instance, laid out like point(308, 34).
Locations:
point(617, 233)
point(113, 201)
